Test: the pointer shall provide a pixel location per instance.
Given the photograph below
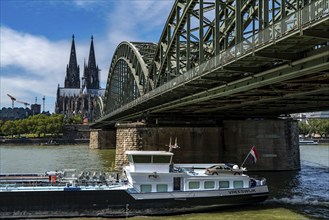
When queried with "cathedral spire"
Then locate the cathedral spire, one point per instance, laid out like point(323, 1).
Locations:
point(92, 59)
point(91, 71)
point(73, 57)
point(72, 79)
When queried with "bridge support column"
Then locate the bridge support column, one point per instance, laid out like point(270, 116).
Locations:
point(276, 142)
point(102, 139)
point(127, 138)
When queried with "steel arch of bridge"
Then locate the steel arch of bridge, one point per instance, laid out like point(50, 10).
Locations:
point(128, 74)
point(196, 32)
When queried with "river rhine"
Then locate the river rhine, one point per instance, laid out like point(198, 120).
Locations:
point(300, 194)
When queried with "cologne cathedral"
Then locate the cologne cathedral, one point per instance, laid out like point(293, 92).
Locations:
point(79, 97)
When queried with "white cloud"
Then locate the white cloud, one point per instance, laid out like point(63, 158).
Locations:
point(131, 21)
point(39, 65)
point(35, 54)
point(42, 63)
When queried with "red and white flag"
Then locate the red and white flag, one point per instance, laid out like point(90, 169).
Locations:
point(253, 157)
point(254, 154)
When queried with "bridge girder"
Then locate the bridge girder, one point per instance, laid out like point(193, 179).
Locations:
point(206, 47)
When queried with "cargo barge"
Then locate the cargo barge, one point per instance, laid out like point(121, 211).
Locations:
point(149, 185)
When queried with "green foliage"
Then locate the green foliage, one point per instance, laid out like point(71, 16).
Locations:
point(9, 128)
point(314, 126)
point(1, 124)
point(303, 128)
point(38, 125)
point(77, 119)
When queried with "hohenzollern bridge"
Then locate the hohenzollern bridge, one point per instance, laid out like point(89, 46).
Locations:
point(218, 64)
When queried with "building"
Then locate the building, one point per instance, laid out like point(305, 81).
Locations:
point(79, 97)
point(20, 113)
point(318, 115)
point(36, 109)
point(14, 113)
point(311, 115)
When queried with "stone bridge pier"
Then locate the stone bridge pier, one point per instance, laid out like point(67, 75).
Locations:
point(276, 142)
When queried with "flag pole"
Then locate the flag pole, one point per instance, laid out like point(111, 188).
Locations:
point(245, 158)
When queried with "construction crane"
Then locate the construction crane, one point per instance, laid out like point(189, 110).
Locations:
point(13, 99)
point(43, 103)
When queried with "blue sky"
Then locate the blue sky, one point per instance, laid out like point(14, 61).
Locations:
point(36, 35)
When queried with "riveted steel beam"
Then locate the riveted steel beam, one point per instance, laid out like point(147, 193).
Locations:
point(213, 50)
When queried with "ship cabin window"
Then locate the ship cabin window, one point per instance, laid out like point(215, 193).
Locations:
point(238, 184)
point(149, 158)
point(145, 188)
point(162, 188)
point(209, 184)
point(161, 159)
point(194, 185)
point(142, 158)
point(224, 184)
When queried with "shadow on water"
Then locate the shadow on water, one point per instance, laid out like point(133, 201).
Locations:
point(305, 191)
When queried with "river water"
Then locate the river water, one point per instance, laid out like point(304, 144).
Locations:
point(305, 192)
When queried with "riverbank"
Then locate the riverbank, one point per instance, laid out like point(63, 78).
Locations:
point(322, 140)
point(72, 134)
point(43, 141)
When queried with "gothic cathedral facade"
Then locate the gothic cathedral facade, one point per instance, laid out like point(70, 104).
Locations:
point(80, 97)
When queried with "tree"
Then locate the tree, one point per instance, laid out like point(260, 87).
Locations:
point(37, 125)
point(1, 124)
point(55, 124)
point(77, 119)
point(9, 128)
point(314, 126)
point(20, 127)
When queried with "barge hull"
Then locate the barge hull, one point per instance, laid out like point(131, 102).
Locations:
point(108, 203)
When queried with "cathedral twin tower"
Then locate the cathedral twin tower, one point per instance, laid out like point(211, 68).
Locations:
point(75, 97)
point(90, 77)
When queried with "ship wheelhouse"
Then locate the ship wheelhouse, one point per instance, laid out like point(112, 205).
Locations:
point(149, 171)
point(153, 171)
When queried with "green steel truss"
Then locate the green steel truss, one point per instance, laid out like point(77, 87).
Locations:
point(210, 51)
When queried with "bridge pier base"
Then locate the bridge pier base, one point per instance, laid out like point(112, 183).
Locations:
point(276, 142)
point(102, 139)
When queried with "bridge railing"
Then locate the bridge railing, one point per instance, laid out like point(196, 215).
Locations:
point(307, 16)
